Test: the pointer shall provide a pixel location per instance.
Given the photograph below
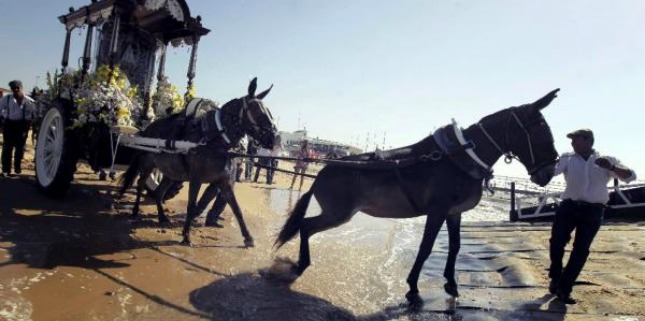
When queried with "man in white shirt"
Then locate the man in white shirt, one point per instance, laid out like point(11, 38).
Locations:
point(586, 173)
point(17, 111)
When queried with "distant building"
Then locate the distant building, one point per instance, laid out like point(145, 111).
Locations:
point(321, 147)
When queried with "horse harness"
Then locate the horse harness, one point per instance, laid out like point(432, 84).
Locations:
point(196, 117)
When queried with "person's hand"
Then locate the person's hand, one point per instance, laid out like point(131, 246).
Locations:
point(604, 163)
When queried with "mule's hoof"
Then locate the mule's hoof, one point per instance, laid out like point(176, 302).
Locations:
point(281, 270)
point(451, 289)
point(164, 221)
point(213, 224)
point(249, 243)
point(186, 242)
point(414, 299)
point(134, 216)
point(297, 269)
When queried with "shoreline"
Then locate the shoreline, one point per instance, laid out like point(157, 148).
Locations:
point(79, 259)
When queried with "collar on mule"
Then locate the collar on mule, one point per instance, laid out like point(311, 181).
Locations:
point(451, 140)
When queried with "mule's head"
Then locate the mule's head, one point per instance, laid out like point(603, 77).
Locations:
point(530, 139)
point(257, 120)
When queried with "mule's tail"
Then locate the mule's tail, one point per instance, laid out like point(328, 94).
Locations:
point(127, 179)
point(292, 226)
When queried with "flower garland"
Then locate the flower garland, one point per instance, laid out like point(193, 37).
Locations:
point(166, 100)
point(105, 95)
point(190, 93)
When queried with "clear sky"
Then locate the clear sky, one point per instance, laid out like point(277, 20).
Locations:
point(396, 70)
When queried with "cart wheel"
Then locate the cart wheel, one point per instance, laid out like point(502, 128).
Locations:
point(55, 154)
point(153, 182)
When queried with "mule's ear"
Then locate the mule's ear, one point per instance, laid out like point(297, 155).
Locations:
point(253, 86)
point(546, 100)
point(263, 94)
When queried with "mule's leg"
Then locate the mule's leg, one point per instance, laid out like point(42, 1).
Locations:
point(454, 243)
point(159, 194)
point(229, 196)
point(211, 191)
point(214, 214)
point(140, 184)
point(191, 212)
point(313, 225)
point(434, 222)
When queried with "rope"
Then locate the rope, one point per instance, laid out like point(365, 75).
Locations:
point(283, 170)
point(374, 164)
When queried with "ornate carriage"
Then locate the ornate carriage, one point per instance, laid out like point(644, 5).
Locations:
point(132, 37)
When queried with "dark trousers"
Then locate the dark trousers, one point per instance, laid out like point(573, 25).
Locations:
point(586, 219)
point(15, 136)
point(271, 171)
point(262, 163)
point(248, 171)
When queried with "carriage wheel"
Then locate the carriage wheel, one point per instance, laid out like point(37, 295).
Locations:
point(153, 182)
point(55, 160)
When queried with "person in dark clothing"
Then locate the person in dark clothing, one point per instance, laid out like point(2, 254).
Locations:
point(17, 112)
point(214, 214)
point(251, 149)
point(586, 173)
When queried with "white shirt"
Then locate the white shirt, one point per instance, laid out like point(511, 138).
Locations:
point(587, 181)
point(264, 152)
point(278, 150)
point(10, 109)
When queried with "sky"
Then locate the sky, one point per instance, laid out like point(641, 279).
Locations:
point(394, 71)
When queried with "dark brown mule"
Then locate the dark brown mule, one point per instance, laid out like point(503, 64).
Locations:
point(217, 130)
point(440, 177)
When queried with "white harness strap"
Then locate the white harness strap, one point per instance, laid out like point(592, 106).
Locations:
point(469, 150)
point(220, 128)
point(490, 138)
point(248, 114)
point(528, 136)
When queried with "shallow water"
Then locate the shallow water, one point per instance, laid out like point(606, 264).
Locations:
point(376, 254)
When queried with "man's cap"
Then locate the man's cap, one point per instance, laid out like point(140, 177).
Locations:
point(15, 84)
point(583, 132)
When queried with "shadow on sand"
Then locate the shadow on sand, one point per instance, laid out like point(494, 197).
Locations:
point(251, 297)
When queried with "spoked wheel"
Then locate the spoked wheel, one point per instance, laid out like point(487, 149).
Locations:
point(153, 182)
point(55, 160)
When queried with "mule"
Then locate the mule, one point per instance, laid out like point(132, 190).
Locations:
point(441, 176)
point(217, 130)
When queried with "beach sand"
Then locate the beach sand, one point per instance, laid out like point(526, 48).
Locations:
point(82, 259)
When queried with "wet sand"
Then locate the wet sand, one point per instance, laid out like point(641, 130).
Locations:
point(80, 259)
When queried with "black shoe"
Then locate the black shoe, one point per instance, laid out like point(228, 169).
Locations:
point(553, 287)
point(565, 298)
point(3, 174)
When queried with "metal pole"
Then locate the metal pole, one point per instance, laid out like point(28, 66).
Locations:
point(513, 215)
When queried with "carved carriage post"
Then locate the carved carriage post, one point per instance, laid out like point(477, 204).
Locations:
point(87, 51)
point(65, 61)
point(161, 73)
point(192, 67)
point(114, 39)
